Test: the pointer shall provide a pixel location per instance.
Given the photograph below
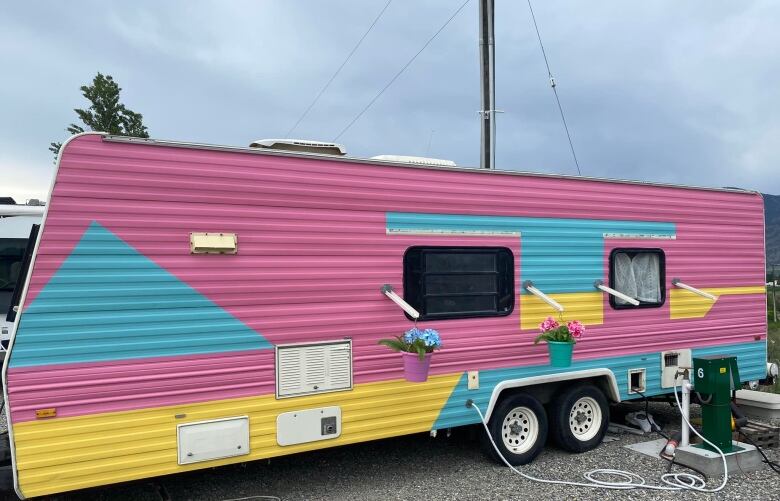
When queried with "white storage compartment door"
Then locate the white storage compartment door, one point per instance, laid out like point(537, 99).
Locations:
point(206, 440)
point(309, 425)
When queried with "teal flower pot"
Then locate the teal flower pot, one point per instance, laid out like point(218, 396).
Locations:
point(560, 353)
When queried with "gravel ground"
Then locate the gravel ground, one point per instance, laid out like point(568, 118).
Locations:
point(420, 467)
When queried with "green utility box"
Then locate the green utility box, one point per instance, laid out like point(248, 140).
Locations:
point(713, 379)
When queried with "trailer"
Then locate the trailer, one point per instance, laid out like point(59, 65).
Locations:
point(190, 306)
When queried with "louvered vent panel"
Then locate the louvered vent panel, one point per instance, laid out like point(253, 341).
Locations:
point(313, 368)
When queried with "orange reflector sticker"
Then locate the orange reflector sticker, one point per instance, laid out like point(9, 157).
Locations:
point(44, 413)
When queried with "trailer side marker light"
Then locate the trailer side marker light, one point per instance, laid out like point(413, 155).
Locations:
point(46, 413)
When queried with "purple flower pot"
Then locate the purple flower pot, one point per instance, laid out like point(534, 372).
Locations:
point(416, 370)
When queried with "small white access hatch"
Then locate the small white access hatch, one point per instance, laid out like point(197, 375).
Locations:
point(310, 425)
point(216, 439)
point(671, 361)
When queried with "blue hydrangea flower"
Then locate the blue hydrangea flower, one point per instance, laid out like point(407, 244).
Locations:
point(429, 337)
point(412, 335)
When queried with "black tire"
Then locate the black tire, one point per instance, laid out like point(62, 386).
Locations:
point(515, 420)
point(582, 428)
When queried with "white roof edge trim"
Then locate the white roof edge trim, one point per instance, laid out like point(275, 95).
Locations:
point(368, 161)
point(468, 233)
point(22, 210)
point(406, 159)
point(647, 236)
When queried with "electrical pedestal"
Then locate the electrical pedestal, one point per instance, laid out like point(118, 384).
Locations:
point(713, 379)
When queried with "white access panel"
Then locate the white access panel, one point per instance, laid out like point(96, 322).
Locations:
point(310, 425)
point(216, 439)
point(668, 370)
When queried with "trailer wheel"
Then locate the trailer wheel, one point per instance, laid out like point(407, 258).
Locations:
point(518, 426)
point(580, 415)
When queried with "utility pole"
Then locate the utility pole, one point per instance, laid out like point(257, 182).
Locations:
point(487, 157)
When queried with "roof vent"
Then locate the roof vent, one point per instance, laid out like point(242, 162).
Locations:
point(415, 160)
point(300, 145)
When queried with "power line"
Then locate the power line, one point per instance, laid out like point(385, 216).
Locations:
point(555, 91)
point(395, 77)
point(333, 77)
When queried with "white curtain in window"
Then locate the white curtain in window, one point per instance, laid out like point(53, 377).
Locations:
point(625, 281)
point(639, 277)
point(647, 273)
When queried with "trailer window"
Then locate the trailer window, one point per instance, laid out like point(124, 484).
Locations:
point(640, 274)
point(11, 256)
point(459, 282)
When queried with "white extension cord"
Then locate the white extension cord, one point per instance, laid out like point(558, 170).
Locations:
point(630, 480)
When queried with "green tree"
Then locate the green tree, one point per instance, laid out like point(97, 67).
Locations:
point(106, 113)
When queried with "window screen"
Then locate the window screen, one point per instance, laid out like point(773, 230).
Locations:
point(459, 282)
point(640, 274)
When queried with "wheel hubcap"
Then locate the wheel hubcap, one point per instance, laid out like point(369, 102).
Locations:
point(585, 419)
point(520, 430)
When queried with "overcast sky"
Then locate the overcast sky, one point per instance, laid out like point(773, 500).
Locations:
point(681, 92)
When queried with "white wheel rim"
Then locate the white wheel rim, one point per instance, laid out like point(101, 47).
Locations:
point(520, 430)
point(585, 419)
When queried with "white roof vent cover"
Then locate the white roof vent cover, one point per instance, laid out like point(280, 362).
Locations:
point(306, 369)
point(415, 160)
point(301, 145)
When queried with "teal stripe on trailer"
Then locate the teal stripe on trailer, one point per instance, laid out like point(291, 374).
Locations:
point(83, 315)
point(546, 244)
point(751, 358)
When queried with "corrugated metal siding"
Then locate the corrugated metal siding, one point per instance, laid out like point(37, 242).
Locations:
point(108, 387)
point(83, 451)
point(313, 252)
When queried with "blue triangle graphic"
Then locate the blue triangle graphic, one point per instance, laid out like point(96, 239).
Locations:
point(109, 302)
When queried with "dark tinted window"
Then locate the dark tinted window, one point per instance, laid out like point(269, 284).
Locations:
point(459, 282)
point(11, 256)
point(21, 278)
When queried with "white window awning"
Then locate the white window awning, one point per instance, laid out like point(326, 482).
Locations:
point(388, 291)
point(676, 282)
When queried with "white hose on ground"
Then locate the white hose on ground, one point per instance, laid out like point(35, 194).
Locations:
point(630, 480)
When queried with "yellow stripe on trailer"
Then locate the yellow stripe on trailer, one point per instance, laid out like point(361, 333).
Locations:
point(587, 307)
point(687, 304)
point(64, 454)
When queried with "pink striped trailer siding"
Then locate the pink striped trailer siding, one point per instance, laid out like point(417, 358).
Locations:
point(131, 350)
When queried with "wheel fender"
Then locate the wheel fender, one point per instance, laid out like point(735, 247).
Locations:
point(605, 374)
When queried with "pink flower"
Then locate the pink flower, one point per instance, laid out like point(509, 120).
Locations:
point(548, 325)
point(576, 329)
